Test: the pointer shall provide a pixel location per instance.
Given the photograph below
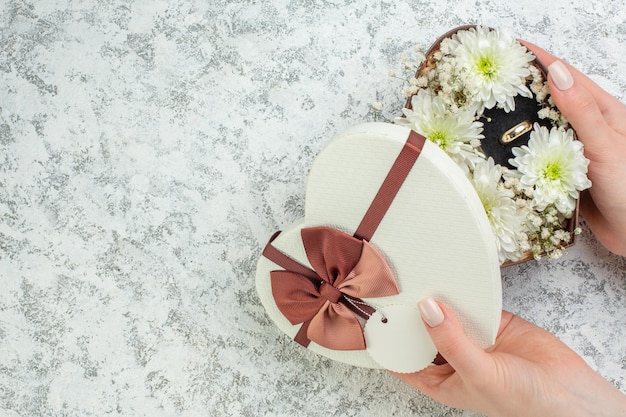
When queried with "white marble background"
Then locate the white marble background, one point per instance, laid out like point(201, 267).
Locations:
point(148, 149)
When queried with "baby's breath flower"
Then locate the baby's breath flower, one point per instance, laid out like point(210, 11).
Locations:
point(446, 46)
point(529, 192)
point(555, 240)
point(409, 90)
point(524, 243)
point(541, 95)
point(511, 182)
point(554, 114)
point(555, 254)
point(544, 113)
point(535, 74)
point(562, 235)
point(537, 221)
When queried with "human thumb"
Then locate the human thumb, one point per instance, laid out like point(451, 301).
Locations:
point(580, 108)
point(446, 332)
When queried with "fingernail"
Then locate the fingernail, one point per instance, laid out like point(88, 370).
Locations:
point(430, 311)
point(560, 75)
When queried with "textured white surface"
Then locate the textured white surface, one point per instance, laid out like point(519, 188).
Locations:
point(148, 150)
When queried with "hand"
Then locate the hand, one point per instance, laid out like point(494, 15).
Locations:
point(600, 123)
point(528, 372)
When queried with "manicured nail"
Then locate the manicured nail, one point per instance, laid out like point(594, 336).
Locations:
point(430, 311)
point(560, 75)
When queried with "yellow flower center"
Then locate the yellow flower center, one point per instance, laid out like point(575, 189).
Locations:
point(552, 171)
point(440, 138)
point(487, 67)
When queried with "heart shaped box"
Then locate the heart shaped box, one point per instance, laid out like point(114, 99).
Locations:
point(435, 236)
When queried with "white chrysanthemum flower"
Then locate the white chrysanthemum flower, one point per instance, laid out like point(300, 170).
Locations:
point(455, 133)
point(506, 218)
point(553, 163)
point(496, 64)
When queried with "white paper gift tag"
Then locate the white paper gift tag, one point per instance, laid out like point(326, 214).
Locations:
point(434, 235)
point(397, 339)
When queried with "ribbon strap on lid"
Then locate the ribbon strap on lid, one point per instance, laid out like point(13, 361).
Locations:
point(390, 186)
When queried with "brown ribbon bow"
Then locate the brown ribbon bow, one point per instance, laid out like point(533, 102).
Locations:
point(345, 269)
